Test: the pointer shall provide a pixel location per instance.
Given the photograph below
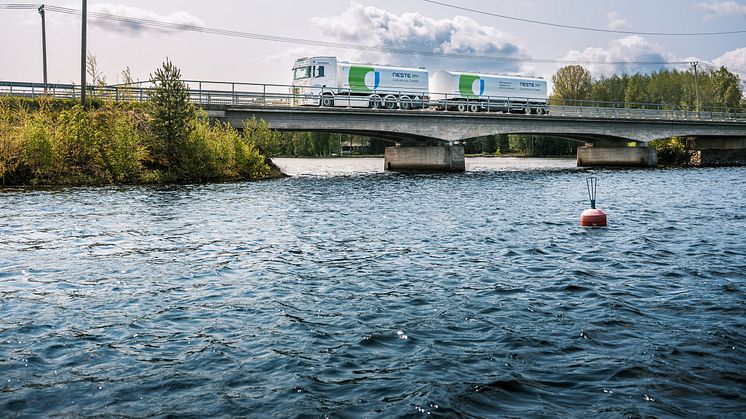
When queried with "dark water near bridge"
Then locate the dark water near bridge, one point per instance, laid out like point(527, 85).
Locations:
point(366, 294)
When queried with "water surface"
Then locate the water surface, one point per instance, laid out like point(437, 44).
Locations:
point(349, 292)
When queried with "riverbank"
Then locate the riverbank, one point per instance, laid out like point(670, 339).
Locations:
point(50, 142)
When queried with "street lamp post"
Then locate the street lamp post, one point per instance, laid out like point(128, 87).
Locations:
point(696, 84)
point(44, 45)
point(82, 55)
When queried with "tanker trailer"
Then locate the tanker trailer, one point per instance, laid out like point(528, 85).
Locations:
point(326, 82)
point(474, 92)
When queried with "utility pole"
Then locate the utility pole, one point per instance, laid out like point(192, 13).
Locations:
point(82, 55)
point(44, 44)
point(696, 83)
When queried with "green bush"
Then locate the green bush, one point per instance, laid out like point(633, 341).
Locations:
point(219, 152)
point(57, 142)
point(671, 151)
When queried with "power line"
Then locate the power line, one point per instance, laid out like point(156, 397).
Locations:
point(19, 6)
point(581, 28)
point(310, 42)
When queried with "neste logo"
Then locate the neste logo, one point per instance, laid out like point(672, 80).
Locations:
point(529, 84)
point(402, 75)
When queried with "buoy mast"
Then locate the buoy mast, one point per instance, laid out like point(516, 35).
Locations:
point(592, 217)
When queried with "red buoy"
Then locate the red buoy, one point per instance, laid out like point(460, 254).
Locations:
point(593, 217)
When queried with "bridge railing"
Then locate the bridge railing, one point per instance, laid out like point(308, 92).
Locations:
point(207, 92)
point(640, 110)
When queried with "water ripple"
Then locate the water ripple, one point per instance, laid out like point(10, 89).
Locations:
point(352, 292)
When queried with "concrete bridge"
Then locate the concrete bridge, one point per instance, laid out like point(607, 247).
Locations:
point(427, 139)
point(431, 140)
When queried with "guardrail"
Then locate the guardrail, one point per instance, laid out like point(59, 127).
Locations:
point(256, 94)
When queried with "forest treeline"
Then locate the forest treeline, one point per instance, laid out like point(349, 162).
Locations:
point(719, 89)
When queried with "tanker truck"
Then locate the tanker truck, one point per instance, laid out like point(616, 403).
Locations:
point(326, 82)
point(474, 92)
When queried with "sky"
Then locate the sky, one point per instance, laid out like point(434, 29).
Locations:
point(411, 25)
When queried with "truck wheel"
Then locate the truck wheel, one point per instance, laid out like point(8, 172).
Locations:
point(473, 108)
point(327, 101)
point(390, 103)
point(527, 110)
point(461, 107)
point(405, 103)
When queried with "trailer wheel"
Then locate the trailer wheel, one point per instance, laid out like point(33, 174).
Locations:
point(461, 107)
point(390, 102)
point(527, 110)
point(540, 111)
point(327, 101)
point(405, 103)
point(473, 108)
point(374, 101)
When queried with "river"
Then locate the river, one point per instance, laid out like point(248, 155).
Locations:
point(344, 291)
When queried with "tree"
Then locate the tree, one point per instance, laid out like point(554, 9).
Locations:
point(271, 143)
point(600, 92)
point(503, 144)
point(636, 93)
point(572, 82)
point(727, 89)
point(172, 114)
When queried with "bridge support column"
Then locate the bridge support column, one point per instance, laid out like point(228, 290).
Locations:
point(720, 151)
point(590, 156)
point(425, 159)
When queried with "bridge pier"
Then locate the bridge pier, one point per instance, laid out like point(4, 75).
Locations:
point(448, 158)
point(717, 151)
point(591, 156)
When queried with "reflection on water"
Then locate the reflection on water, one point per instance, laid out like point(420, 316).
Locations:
point(346, 291)
point(369, 165)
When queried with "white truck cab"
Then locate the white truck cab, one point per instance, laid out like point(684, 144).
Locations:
point(326, 82)
point(312, 76)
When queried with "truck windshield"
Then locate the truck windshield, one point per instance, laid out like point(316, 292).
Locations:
point(301, 73)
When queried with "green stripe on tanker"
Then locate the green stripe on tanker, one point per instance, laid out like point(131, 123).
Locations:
point(466, 85)
point(357, 79)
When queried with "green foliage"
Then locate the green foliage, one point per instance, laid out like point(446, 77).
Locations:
point(171, 114)
point(523, 145)
point(719, 89)
point(271, 143)
point(671, 151)
point(637, 92)
point(572, 82)
point(70, 146)
point(59, 145)
point(219, 152)
point(541, 146)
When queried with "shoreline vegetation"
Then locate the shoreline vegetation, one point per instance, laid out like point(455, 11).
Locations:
point(56, 142)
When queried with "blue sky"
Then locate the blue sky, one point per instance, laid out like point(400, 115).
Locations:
point(404, 24)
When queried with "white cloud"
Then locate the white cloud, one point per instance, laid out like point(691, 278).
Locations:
point(616, 22)
point(134, 28)
point(414, 32)
point(621, 56)
point(716, 9)
point(735, 61)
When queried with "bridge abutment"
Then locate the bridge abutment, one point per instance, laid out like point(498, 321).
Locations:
point(590, 156)
point(717, 151)
point(448, 158)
